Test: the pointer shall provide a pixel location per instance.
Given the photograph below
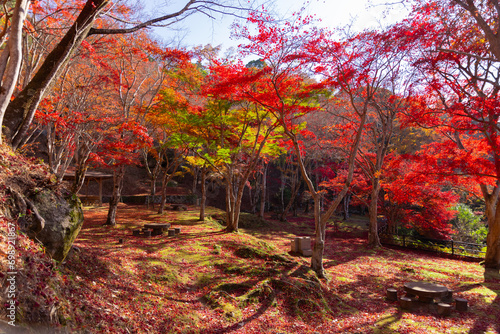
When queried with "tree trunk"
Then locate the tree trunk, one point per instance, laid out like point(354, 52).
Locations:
point(319, 241)
point(231, 218)
point(263, 192)
point(166, 179)
point(82, 156)
point(20, 111)
point(321, 219)
point(196, 171)
point(118, 176)
point(11, 58)
point(203, 199)
point(492, 257)
point(346, 202)
point(373, 238)
point(295, 190)
point(234, 195)
point(79, 179)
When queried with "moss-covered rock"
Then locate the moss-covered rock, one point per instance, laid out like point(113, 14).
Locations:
point(63, 220)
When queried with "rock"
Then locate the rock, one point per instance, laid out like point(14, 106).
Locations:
point(63, 220)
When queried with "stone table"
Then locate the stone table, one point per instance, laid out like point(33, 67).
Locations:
point(426, 291)
point(157, 228)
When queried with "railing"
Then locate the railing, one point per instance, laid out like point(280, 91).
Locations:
point(442, 246)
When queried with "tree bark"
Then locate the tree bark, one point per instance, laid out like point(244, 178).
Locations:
point(263, 192)
point(118, 176)
point(346, 203)
point(164, 186)
point(20, 111)
point(203, 199)
point(295, 185)
point(492, 257)
point(373, 238)
point(231, 218)
point(12, 57)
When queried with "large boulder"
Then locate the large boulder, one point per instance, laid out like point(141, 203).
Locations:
point(63, 219)
point(43, 208)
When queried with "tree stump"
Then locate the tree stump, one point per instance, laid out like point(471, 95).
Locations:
point(406, 303)
point(171, 232)
point(120, 240)
point(461, 304)
point(444, 309)
point(392, 294)
point(136, 233)
point(177, 230)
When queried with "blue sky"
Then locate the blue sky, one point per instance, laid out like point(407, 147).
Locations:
point(199, 29)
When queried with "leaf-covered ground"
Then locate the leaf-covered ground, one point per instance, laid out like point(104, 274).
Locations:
point(206, 281)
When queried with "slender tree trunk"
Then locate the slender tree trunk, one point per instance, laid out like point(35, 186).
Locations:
point(166, 179)
point(118, 176)
point(81, 158)
point(233, 202)
point(12, 57)
point(319, 240)
point(152, 191)
point(295, 190)
point(373, 238)
point(173, 166)
point(251, 200)
point(196, 171)
point(79, 178)
point(203, 199)
point(231, 219)
point(347, 201)
point(263, 192)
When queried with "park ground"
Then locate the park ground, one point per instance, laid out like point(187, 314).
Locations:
point(207, 281)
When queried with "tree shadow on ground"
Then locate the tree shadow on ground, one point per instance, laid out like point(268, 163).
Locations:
point(258, 313)
point(491, 282)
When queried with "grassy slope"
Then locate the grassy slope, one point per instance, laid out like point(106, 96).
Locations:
point(205, 281)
